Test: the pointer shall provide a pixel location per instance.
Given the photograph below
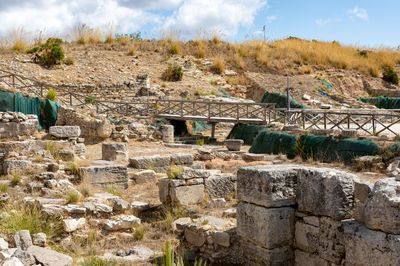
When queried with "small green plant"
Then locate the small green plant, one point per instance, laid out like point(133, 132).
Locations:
point(51, 95)
point(200, 142)
point(169, 258)
point(72, 197)
point(74, 168)
point(169, 219)
point(16, 177)
point(3, 187)
point(136, 36)
point(390, 76)
point(98, 261)
point(140, 229)
point(39, 159)
point(90, 99)
point(48, 54)
point(117, 191)
point(173, 73)
point(174, 171)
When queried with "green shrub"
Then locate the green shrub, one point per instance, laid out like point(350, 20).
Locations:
point(90, 99)
point(48, 54)
point(51, 95)
point(173, 73)
point(200, 142)
point(16, 177)
point(74, 168)
point(174, 171)
point(72, 197)
point(390, 76)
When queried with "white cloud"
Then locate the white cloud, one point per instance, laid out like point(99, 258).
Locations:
point(224, 16)
point(270, 19)
point(322, 22)
point(357, 12)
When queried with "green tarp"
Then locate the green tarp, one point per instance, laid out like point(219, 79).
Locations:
point(245, 132)
point(280, 100)
point(274, 143)
point(382, 102)
point(46, 110)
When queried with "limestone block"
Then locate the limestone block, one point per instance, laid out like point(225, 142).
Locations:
point(114, 151)
point(167, 132)
point(157, 162)
point(308, 259)
point(362, 189)
point(234, 144)
point(306, 237)
point(268, 186)
point(23, 239)
point(383, 206)
point(368, 247)
point(163, 189)
point(145, 176)
point(15, 165)
point(65, 131)
point(189, 173)
point(187, 195)
point(269, 228)
point(66, 155)
point(325, 192)
point(195, 235)
point(106, 174)
point(182, 159)
point(49, 257)
point(14, 129)
point(262, 256)
point(123, 222)
point(219, 186)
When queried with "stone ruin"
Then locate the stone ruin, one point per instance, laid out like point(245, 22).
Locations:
point(14, 125)
point(294, 215)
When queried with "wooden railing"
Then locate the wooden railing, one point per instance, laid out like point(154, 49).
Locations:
point(371, 122)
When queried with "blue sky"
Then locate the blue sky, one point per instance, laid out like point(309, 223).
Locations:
point(377, 23)
point(356, 22)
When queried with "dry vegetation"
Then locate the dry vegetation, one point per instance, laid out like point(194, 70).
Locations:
point(275, 55)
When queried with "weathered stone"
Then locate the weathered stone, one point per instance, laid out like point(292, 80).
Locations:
point(167, 132)
point(187, 195)
point(326, 192)
point(251, 157)
point(157, 162)
point(47, 257)
point(121, 205)
point(15, 165)
point(195, 236)
point(368, 248)
point(181, 223)
point(66, 155)
point(138, 206)
point(79, 148)
point(182, 159)
point(383, 207)
point(216, 203)
point(145, 176)
point(269, 228)
point(220, 185)
point(106, 174)
point(15, 129)
point(163, 189)
point(39, 239)
point(102, 208)
point(121, 223)
point(229, 213)
point(114, 151)
point(71, 225)
point(362, 189)
point(196, 173)
point(256, 255)
point(308, 259)
point(23, 239)
point(234, 144)
point(221, 238)
point(13, 261)
point(24, 257)
point(3, 244)
point(65, 131)
point(268, 186)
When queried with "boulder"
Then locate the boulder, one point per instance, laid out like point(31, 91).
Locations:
point(145, 176)
point(220, 186)
point(39, 239)
point(106, 174)
point(65, 131)
point(114, 151)
point(268, 227)
point(325, 192)
point(23, 239)
point(383, 206)
point(268, 186)
point(121, 223)
point(48, 257)
point(13, 261)
point(167, 132)
point(71, 224)
point(157, 162)
point(187, 195)
point(216, 203)
point(15, 165)
point(3, 244)
point(66, 155)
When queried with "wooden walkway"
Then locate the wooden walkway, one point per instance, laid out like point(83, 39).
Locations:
point(371, 122)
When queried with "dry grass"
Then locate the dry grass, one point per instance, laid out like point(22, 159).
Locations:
point(19, 40)
point(86, 35)
point(218, 66)
point(132, 49)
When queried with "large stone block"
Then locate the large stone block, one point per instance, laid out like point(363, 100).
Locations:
point(187, 195)
point(197, 173)
point(106, 175)
point(383, 207)
point(362, 190)
point(14, 129)
point(156, 162)
point(368, 247)
point(268, 186)
point(15, 165)
point(325, 192)
point(219, 186)
point(114, 151)
point(267, 227)
point(65, 131)
point(255, 255)
point(182, 159)
point(308, 259)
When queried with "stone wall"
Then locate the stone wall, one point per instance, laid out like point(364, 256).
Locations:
point(14, 124)
point(295, 215)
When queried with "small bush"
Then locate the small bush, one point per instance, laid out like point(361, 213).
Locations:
point(132, 50)
point(69, 61)
point(390, 76)
point(73, 197)
point(174, 48)
point(169, 219)
point(98, 261)
point(50, 53)
point(3, 187)
point(16, 177)
point(139, 231)
point(38, 159)
point(200, 142)
point(117, 191)
point(51, 95)
point(173, 73)
point(90, 99)
point(74, 168)
point(174, 171)
point(218, 66)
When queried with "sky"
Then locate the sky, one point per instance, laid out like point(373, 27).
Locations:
point(355, 22)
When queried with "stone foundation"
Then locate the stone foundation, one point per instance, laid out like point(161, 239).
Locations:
point(17, 124)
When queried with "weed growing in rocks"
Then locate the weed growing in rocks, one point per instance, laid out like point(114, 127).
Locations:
point(390, 76)
point(173, 73)
point(15, 177)
point(117, 191)
point(3, 187)
point(74, 168)
point(218, 66)
point(72, 197)
point(140, 230)
point(174, 171)
point(51, 95)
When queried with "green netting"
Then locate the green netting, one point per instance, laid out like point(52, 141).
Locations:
point(328, 87)
point(225, 93)
point(16, 102)
point(274, 143)
point(322, 148)
point(280, 100)
point(245, 132)
point(200, 126)
point(395, 147)
point(382, 102)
